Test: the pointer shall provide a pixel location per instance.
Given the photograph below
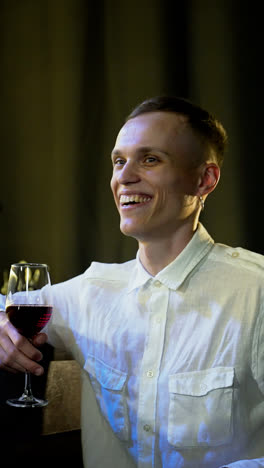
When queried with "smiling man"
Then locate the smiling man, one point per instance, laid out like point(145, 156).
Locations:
point(170, 344)
point(162, 172)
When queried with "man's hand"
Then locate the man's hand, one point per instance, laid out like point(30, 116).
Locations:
point(17, 354)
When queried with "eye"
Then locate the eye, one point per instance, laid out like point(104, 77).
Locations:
point(151, 159)
point(118, 162)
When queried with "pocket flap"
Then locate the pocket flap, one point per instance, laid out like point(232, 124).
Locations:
point(108, 377)
point(200, 383)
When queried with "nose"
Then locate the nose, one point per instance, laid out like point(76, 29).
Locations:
point(128, 174)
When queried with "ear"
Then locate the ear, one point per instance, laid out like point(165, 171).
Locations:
point(208, 180)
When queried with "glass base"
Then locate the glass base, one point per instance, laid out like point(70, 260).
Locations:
point(27, 402)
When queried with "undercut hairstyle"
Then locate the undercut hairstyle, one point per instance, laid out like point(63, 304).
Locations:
point(209, 130)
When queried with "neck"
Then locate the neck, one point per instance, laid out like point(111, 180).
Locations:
point(158, 253)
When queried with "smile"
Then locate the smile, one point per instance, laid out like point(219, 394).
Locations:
point(127, 200)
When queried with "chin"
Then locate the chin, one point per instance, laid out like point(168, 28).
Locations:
point(129, 230)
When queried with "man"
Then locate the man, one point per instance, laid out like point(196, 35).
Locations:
point(171, 344)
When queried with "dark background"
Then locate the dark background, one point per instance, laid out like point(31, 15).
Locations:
point(71, 70)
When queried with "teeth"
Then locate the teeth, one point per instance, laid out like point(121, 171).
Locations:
point(133, 198)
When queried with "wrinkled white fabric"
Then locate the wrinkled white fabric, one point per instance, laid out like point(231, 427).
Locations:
point(172, 365)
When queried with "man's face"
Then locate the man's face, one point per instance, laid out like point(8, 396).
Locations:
point(155, 175)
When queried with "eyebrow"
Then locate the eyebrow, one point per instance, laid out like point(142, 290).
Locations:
point(142, 149)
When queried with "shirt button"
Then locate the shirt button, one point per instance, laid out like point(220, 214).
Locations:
point(158, 319)
point(147, 427)
point(157, 283)
point(150, 373)
point(235, 254)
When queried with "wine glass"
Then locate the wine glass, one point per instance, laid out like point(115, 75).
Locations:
point(28, 306)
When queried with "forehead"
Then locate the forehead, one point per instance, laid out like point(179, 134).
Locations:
point(166, 131)
point(150, 124)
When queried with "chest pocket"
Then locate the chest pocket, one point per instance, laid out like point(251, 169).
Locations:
point(110, 385)
point(200, 408)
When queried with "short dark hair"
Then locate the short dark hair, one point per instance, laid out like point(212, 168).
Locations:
point(205, 125)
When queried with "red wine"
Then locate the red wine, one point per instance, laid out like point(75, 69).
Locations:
point(29, 319)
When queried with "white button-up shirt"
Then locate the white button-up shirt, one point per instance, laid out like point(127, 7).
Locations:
point(172, 365)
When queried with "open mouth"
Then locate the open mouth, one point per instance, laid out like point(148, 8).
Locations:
point(128, 200)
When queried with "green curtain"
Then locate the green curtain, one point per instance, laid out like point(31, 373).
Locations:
point(71, 70)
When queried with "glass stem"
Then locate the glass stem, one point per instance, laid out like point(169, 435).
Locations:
point(27, 388)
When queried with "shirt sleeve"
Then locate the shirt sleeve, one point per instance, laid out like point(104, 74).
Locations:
point(258, 350)
point(66, 308)
point(258, 373)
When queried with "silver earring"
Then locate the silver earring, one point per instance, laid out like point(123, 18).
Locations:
point(201, 202)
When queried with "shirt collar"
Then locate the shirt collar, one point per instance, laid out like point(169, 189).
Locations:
point(175, 273)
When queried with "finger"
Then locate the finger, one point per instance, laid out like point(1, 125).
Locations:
point(14, 370)
point(17, 362)
point(16, 351)
point(40, 339)
point(8, 369)
point(19, 354)
point(19, 341)
point(23, 345)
